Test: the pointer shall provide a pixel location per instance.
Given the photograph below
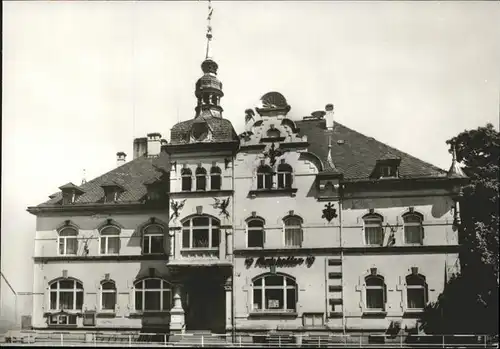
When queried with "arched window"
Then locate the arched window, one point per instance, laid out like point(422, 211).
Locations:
point(255, 233)
point(110, 240)
point(273, 133)
point(108, 295)
point(293, 231)
point(215, 178)
point(284, 176)
point(66, 294)
point(201, 232)
point(68, 241)
point(264, 177)
point(413, 228)
point(416, 291)
point(153, 239)
point(186, 176)
point(201, 178)
point(274, 292)
point(152, 295)
point(376, 292)
point(374, 233)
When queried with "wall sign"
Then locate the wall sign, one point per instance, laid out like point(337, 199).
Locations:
point(291, 261)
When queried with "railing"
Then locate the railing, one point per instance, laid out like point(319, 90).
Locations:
point(202, 253)
point(128, 339)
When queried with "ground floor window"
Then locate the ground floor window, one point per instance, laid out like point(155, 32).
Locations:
point(274, 292)
point(152, 295)
point(66, 294)
point(62, 319)
point(416, 292)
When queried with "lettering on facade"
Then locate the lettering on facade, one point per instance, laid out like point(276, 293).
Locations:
point(291, 261)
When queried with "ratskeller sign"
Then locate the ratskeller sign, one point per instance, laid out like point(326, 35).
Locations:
point(291, 261)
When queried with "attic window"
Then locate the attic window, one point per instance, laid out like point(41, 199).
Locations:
point(388, 171)
point(70, 193)
point(111, 193)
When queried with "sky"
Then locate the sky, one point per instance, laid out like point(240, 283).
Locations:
point(82, 79)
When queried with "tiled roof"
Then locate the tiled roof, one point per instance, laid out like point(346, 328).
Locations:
point(355, 155)
point(131, 176)
point(222, 130)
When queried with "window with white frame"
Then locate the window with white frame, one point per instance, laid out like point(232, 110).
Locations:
point(416, 292)
point(413, 230)
point(374, 233)
point(255, 232)
point(110, 240)
point(313, 319)
point(66, 294)
point(108, 295)
point(152, 294)
point(201, 178)
point(293, 231)
point(153, 239)
point(285, 176)
point(215, 178)
point(201, 232)
point(62, 320)
point(264, 177)
point(376, 292)
point(68, 241)
point(274, 292)
point(387, 171)
point(186, 178)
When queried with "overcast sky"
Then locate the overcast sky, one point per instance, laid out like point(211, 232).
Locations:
point(82, 79)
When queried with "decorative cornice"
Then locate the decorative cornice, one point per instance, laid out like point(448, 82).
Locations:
point(93, 208)
point(201, 147)
point(204, 193)
point(150, 257)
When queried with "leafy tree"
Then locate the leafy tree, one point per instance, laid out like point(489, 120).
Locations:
point(469, 302)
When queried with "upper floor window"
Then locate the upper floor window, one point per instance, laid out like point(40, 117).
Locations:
point(110, 240)
point(66, 294)
point(152, 295)
point(374, 233)
point(186, 176)
point(264, 177)
point(274, 292)
point(413, 229)
point(284, 176)
point(215, 178)
point(68, 241)
point(201, 178)
point(108, 295)
point(255, 233)
point(293, 231)
point(416, 291)
point(376, 292)
point(201, 232)
point(273, 133)
point(153, 239)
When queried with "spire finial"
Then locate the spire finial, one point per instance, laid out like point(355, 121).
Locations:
point(329, 158)
point(209, 28)
point(83, 179)
point(455, 170)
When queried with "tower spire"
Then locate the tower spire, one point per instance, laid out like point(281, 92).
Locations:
point(455, 170)
point(209, 28)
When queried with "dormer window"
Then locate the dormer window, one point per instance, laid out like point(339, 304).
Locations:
point(111, 192)
point(388, 171)
point(70, 193)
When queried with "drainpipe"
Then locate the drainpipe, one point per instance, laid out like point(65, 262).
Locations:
point(15, 296)
point(233, 320)
point(341, 195)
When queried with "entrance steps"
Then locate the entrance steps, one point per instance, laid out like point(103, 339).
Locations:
point(198, 338)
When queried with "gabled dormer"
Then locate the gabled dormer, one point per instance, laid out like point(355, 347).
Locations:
point(386, 167)
point(70, 193)
point(112, 191)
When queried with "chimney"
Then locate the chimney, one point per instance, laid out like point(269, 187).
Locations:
point(140, 147)
point(120, 158)
point(154, 144)
point(329, 116)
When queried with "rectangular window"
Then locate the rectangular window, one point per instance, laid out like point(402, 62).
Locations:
point(167, 304)
point(375, 298)
point(413, 234)
point(257, 299)
point(53, 300)
point(152, 300)
point(255, 237)
point(138, 300)
point(274, 298)
point(291, 298)
point(374, 235)
point(215, 237)
point(185, 238)
point(157, 244)
point(215, 182)
point(108, 300)
point(284, 180)
point(66, 299)
point(200, 238)
point(186, 183)
point(416, 298)
point(293, 236)
point(313, 319)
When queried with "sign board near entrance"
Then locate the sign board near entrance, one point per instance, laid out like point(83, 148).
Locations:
point(291, 261)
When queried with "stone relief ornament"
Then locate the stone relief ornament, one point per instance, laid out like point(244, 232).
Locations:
point(329, 212)
point(222, 206)
point(176, 207)
point(273, 154)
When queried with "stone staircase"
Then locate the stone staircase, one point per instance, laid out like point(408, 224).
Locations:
point(198, 339)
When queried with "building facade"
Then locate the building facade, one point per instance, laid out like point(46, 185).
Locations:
point(297, 224)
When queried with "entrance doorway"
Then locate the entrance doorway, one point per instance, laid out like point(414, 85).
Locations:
point(205, 304)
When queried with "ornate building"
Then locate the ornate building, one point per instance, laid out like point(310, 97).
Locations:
point(297, 224)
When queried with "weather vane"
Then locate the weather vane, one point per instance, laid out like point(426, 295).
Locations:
point(209, 27)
